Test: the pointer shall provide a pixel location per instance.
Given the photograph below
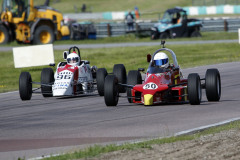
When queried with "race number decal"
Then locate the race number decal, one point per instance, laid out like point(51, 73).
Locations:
point(64, 75)
point(150, 86)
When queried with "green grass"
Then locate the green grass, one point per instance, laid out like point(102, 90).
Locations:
point(133, 38)
point(96, 150)
point(67, 6)
point(131, 57)
point(149, 9)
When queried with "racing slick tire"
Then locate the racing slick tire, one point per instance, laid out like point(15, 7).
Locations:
point(134, 77)
point(47, 77)
point(194, 89)
point(111, 90)
point(25, 86)
point(213, 85)
point(120, 71)
point(100, 77)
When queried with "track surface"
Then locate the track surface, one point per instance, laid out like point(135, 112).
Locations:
point(133, 44)
point(37, 127)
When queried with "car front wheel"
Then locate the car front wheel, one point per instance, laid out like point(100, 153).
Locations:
point(111, 90)
point(47, 78)
point(134, 77)
point(25, 86)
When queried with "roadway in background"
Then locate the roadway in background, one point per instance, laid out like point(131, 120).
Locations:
point(129, 44)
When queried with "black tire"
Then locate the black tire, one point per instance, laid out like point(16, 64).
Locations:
point(4, 35)
point(134, 77)
point(213, 85)
point(111, 90)
point(47, 77)
point(196, 34)
point(164, 35)
point(25, 86)
point(100, 77)
point(194, 89)
point(120, 71)
point(43, 35)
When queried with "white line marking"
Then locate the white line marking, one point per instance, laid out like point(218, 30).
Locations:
point(206, 127)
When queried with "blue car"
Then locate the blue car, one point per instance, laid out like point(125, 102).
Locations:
point(176, 24)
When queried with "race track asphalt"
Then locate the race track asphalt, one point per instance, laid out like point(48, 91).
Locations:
point(44, 126)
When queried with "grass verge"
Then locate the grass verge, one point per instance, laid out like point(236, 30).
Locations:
point(131, 57)
point(72, 6)
point(133, 38)
point(96, 150)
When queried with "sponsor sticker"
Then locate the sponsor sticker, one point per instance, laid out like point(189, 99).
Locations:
point(82, 79)
point(61, 85)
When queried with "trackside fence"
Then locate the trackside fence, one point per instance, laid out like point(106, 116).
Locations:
point(144, 28)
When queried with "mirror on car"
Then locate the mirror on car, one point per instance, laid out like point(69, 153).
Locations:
point(65, 54)
point(52, 64)
point(141, 69)
point(86, 62)
point(149, 57)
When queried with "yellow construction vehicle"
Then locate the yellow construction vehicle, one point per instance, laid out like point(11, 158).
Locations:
point(26, 23)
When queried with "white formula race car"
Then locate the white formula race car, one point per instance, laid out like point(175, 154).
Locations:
point(72, 77)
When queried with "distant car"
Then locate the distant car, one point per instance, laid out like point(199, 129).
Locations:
point(163, 85)
point(176, 24)
point(69, 79)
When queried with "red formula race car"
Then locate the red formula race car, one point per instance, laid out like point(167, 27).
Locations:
point(163, 83)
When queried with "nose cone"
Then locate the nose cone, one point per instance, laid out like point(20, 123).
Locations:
point(148, 99)
point(62, 88)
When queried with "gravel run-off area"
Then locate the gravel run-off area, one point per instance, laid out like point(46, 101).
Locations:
point(223, 145)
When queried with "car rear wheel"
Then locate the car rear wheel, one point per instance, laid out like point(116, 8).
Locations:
point(111, 90)
point(120, 72)
point(213, 85)
point(196, 34)
point(100, 77)
point(194, 89)
point(164, 35)
point(25, 86)
point(134, 77)
point(47, 78)
point(154, 35)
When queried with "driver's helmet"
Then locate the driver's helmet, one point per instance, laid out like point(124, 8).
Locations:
point(161, 59)
point(73, 59)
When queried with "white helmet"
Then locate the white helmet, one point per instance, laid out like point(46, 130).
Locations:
point(161, 60)
point(73, 59)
